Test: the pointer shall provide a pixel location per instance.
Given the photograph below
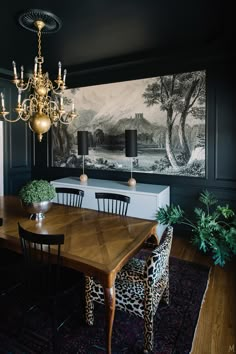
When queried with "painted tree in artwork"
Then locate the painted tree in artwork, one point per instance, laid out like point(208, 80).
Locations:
point(178, 95)
point(62, 140)
point(193, 85)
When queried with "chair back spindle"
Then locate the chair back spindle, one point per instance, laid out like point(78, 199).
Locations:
point(69, 196)
point(112, 203)
point(42, 255)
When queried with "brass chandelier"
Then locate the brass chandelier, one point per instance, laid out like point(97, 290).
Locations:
point(44, 105)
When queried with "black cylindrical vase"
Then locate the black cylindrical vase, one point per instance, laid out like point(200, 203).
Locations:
point(82, 136)
point(131, 142)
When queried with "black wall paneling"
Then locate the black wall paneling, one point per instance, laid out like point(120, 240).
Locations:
point(225, 169)
point(17, 145)
point(220, 129)
point(41, 152)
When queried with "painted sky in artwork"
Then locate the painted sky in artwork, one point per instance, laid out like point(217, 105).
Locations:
point(116, 101)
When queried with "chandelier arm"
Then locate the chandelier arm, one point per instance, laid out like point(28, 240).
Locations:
point(68, 118)
point(25, 86)
point(25, 119)
point(63, 122)
point(30, 127)
point(53, 103)
point(12, 120)
point(56, 91)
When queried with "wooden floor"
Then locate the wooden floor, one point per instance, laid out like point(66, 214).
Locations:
point(216, 329)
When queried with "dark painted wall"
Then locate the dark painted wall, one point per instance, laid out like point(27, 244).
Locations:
point(221, 128)
point(17, 144)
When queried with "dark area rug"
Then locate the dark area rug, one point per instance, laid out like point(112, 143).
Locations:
point(174, 325)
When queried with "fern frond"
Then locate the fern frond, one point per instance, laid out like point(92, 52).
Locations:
point(170, 215)
point(207, 198)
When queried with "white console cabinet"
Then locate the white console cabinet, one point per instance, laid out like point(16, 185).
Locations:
point(145, 199)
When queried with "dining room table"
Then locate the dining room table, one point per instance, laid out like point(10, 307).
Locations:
point(97, 244)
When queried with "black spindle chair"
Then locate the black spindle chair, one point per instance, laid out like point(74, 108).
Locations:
point(47, 282)
point(69, 196)
point(112, 203)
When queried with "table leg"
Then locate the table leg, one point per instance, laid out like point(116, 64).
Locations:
point(110, 303)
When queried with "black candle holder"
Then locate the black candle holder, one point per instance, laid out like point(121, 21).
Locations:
point(82, 136)
point(131, 151)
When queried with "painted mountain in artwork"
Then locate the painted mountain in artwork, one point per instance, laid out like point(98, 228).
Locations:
point(112, 102)
point(137, 122)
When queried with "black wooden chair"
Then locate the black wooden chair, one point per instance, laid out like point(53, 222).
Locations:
point(46, 281)
point(112, 203)
point(69, 196)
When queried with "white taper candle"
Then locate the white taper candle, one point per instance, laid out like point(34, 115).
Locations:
point(14, 69)
point(35, 66)
point(64, 76)
point(3, 103)
point(59, 69)
point(22, 72)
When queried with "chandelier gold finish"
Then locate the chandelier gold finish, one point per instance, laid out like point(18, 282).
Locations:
point(44, 105)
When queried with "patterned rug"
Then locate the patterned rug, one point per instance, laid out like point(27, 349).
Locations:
point(174, 325)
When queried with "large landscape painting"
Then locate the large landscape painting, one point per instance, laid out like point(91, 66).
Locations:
point(169, 113)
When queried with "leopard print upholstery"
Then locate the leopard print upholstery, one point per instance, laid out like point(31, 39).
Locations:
point(140, 285)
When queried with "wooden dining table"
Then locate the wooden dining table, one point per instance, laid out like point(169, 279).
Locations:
point(97, 244)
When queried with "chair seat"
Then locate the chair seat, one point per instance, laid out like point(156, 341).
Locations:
point(10, 270)
point(11, 278)
point(133, 270)
point(133, 288)
point(39, 288)
point(9, 257)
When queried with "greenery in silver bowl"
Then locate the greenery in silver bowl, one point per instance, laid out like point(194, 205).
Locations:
point(213, 228)
point(37, 191)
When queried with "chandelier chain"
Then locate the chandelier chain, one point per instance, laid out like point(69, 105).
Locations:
point(39, 43)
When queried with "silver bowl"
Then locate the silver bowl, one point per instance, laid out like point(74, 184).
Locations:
point(37, 210)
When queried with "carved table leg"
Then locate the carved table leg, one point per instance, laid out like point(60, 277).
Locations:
point(110, 303)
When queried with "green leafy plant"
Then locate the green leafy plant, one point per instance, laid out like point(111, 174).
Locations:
point(37, 191)
point(214, 227)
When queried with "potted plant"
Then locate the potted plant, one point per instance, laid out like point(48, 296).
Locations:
point(36, 197)
point(213, 230)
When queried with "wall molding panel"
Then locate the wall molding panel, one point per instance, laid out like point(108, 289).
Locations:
point(17, 145)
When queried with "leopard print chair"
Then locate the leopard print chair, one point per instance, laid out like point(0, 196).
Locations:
point(140, 285)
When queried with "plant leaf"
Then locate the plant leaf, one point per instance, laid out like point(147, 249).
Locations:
point(207, 198)
point(170, 215)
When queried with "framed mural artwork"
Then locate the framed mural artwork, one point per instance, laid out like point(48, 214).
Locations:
point(168, 112)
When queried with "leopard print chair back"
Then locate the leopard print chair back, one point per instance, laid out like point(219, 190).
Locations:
point(140, 285)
